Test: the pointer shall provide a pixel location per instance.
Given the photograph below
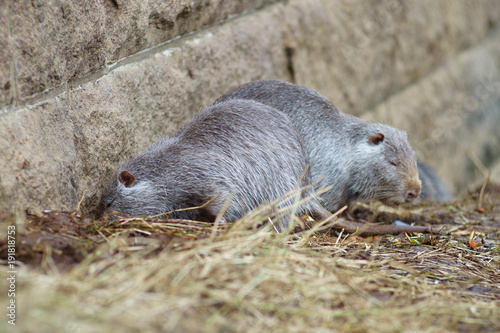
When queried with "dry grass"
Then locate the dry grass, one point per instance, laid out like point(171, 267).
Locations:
point(150, 276)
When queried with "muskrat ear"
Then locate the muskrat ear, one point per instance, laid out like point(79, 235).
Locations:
point(377, 138)
point(127, 179)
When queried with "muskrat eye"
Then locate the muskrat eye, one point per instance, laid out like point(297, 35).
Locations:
point(393, 163)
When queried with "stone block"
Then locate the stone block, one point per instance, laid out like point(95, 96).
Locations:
point(38, 158)
point(55, 41)
point(358, 53)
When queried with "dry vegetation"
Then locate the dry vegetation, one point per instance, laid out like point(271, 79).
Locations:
point(131, 275)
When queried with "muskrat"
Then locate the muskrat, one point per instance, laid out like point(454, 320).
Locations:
point(359, 160)
point(237, 151)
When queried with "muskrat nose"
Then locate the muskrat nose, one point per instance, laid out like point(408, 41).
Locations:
point(412, 194)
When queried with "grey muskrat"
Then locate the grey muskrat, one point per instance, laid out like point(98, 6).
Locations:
point(237, 149)
point(358, 159)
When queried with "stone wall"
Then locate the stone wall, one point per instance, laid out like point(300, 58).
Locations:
point(84, 85)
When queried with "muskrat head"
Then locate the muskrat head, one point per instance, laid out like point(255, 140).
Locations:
point(386, 169)
point(128, 195)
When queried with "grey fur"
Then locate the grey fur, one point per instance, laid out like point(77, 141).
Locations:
point(433, 187)
point(236, 148)
point(339, 146)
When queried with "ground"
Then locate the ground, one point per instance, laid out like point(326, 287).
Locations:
point(79, 275)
